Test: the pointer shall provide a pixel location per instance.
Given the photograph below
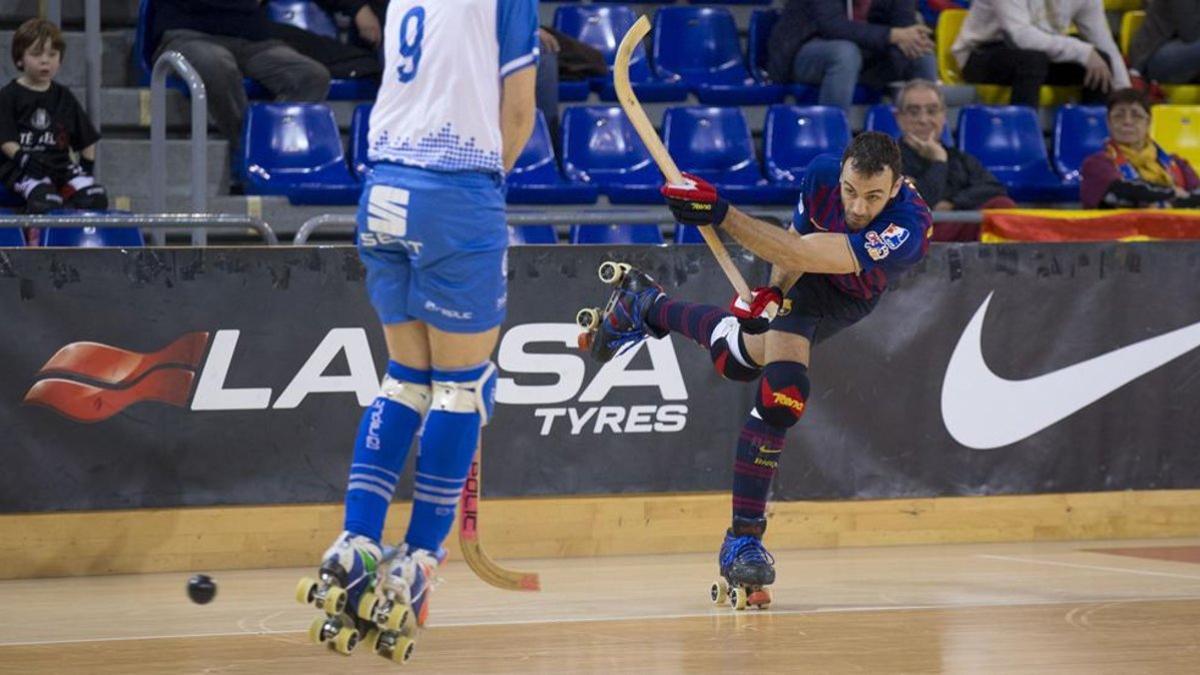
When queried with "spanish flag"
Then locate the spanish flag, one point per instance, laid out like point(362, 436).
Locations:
point(1011, 225)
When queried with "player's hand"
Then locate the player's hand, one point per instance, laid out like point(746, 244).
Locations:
point(30, 165)
point(1097, 74)
point(696, 202)
point(929, 148)
point(368, 26)
point(756, 313)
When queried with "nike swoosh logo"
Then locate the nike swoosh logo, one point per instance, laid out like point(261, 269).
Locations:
point(982, 410)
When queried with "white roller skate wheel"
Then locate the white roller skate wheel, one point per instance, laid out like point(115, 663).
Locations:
point(403, 649)
point(739, 598)
point(335, 601)
point(316, 630)
point(372, 640)
point(346, 640)
point(587, 318)
point(611, 272)
point(719, 592)
point(398, 618)
point(306, 589)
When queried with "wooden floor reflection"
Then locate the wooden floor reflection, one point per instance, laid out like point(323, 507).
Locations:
point(1052, 608)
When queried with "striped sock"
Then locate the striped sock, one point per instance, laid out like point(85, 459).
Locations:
point(692, 320)
point(758, 449)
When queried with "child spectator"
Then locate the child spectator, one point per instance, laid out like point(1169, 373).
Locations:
point(41, 122)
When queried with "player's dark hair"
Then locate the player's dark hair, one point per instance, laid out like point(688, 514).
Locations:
point(872, 152)
point(34, 32)
point(1128, 95)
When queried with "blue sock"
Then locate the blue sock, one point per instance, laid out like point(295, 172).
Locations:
point(447, 447)
point(384, 437)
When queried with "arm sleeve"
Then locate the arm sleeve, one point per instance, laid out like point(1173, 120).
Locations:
point(833, 24)
point(516, 29)
point(1102, 186)
point(894, 240)
point(83, 132)
point(1093, 26)
point(981, 185)
point(901, 14)
point(1018, 26)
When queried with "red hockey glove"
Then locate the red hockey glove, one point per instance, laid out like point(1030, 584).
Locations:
point(696, 202)
point(755, 315)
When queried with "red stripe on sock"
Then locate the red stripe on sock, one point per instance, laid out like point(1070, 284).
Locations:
point(750, 469)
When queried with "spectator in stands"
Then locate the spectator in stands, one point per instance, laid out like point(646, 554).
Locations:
point(830, 42)
point(1132, 171)
point(354, 59)
point(1167, 48)
point(41, 123)
point(1024, 44)
point(226, 40)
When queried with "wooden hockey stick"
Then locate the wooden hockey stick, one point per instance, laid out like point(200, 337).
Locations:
point(468, 538)
point(641, 123)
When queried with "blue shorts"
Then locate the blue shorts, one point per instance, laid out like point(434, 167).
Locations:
point(435, 247)
point(817, 309)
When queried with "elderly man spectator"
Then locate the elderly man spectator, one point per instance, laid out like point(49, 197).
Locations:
point(948, 179)
point(1132, 171)
point(830, 42)
point(1167, 47)
point(1024, 44)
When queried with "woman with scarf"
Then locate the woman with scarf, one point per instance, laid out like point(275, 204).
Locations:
point(1132, 171)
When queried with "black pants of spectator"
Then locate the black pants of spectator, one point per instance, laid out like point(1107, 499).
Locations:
point(223, 61)
point(1025, 71)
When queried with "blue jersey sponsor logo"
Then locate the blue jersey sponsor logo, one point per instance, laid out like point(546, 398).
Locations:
point(876, 247)
point(894, 236)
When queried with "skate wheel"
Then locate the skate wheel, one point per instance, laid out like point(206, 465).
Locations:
point(335, 601)
point(306, 589)
point(316, 630)
point(398, 618)
point(760, 598)
point(719, 592)
point(402, 651)
point(739, 598)
point(584, 341)
point(588, 318)
point(366, 606)
point(612, 273)
point(372, 639)
point(345, 641)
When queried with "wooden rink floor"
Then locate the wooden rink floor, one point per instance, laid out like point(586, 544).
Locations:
point(1072, 607)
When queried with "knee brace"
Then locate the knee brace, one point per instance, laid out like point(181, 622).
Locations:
point(782, 394)
point(728, 355)
point(413, 395)
point(466, 391)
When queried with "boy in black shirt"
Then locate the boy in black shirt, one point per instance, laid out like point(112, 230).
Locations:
point(41, 122)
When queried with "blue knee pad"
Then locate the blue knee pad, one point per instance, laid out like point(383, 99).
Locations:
point(782, 394)
point(463, 401)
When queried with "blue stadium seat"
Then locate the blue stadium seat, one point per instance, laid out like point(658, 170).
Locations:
point(601, 148)
point(535, 178)
point(303, 14)
point(687, 234)
point(574, 90)
point(700, 47)
point(11, 237)
point(9, 198)
point(762, 21)
point(715, 144)
point(532, 234)
point(881, 117)
point(360, 124)
point(793, 135)
point(1078, 132)
point(603, 27)
point(616, 234)
point(91, 237)
point(1008, 141)
point(143, 62)
point(296, 150)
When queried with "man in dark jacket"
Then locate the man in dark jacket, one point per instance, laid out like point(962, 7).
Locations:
point(1167, 48)
point(226, 40)
point(829, 42)
point(948, 179)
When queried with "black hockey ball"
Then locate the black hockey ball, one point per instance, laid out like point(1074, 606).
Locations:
point(201, 589)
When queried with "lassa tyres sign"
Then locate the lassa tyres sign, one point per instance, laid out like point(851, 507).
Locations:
point(238, 376)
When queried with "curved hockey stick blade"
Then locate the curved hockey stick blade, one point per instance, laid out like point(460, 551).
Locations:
point(468, 538)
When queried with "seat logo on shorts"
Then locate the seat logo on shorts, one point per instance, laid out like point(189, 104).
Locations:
point(387, 210)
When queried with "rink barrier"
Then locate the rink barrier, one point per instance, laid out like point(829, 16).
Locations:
point(196, 225)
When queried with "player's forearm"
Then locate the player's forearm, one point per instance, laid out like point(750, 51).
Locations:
point(820, 253)
point(784, 279)
point(517, 113)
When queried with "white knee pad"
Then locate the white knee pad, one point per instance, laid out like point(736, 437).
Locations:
point(478, 395)
point(408, 394)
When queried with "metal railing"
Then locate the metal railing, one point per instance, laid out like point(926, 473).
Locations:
point(195, 224)
point(615, 216)
point(167, 63)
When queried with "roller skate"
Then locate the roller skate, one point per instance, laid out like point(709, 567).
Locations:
point(400, 602)
point(746, 566)
point(622, 322)
point(345, 577)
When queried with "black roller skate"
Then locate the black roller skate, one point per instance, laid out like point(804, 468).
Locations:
point(746, 566)
point(622, 322)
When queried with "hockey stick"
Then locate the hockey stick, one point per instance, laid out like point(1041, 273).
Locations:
point(658, 151)
point(468, 538)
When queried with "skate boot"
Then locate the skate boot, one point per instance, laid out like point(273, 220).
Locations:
point(400, 603)
point(345, 576)
point(622, 322)
point(746, 567)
